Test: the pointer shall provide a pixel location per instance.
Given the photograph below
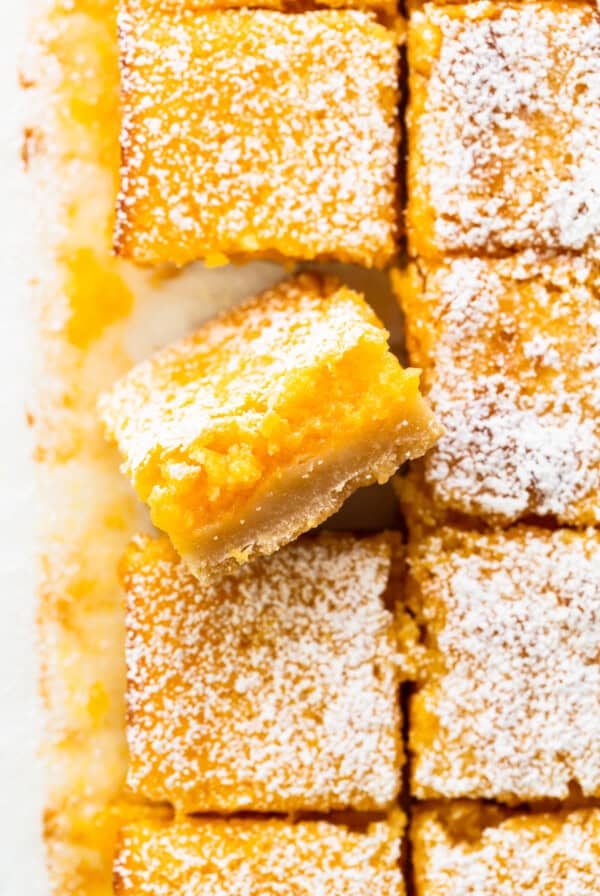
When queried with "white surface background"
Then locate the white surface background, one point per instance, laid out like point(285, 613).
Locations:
point(21, 865)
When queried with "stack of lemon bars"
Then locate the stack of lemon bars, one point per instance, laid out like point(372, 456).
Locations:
point(287, 709)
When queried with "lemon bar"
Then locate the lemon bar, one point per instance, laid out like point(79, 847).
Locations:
point(231, 857)
point(256, 133)
point(504, 128)
point(256, 428)
point(508, 704)
point(273, 689)
point(510, 350)
point(475, 849)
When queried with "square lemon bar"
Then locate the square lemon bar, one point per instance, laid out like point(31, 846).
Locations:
point(256, 428)
point(247, 856)
point(510, 350)
point(476, 849)
point(256, 133)
point(504, 127)
point(274, 689)
point(508, 702)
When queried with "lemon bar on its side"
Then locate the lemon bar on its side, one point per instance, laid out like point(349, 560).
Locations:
point(230, 857)
point(258, 426)
point(274, 689)
point(254, 133)
point(508, 702)
point(477, 849)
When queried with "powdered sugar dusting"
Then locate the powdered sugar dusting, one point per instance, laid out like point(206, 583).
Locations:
point(274, 689)
point(273, 858)
point(257, 132)
point(506, 146)
point(512, 373)
point(541, 855)
point(511, 707)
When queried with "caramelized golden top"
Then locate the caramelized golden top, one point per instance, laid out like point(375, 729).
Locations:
point(253, 132)
point(273, 689)
point(273, 858)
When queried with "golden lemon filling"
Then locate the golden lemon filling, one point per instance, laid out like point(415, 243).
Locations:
point(215, 477)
